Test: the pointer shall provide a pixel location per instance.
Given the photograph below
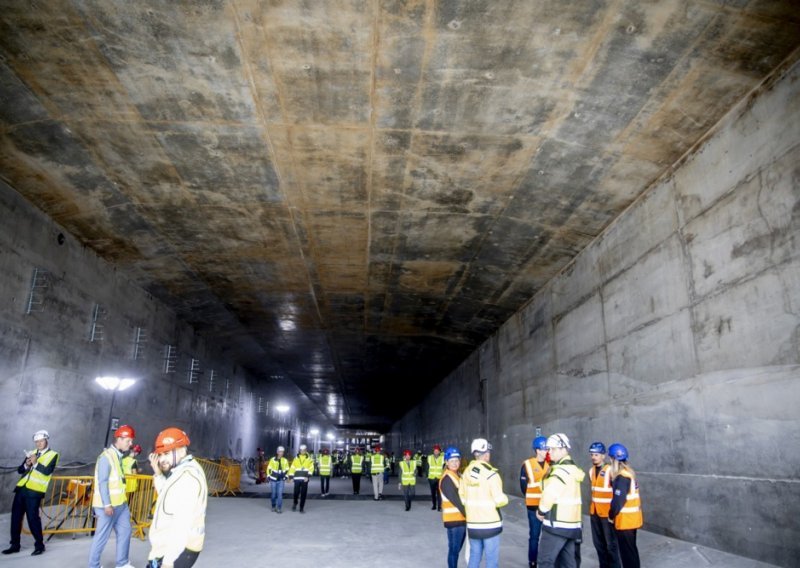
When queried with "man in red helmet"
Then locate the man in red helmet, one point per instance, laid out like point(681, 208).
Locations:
point(178, 530)
point(109, 501)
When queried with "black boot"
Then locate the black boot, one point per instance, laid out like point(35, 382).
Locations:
point(11, 550)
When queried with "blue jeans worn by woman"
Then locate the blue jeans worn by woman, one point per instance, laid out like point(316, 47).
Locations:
point(277, 494)
point(455, 541)
point(488, 546)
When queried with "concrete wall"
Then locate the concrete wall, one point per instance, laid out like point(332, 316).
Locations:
point(48, 362)
point(677, 333)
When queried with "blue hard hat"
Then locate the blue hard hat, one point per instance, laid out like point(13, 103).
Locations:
point(597, 448)
point(451, 452)
point(618, 452)
point(539, 443)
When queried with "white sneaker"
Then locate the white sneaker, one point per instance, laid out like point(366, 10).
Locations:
point(128, 565)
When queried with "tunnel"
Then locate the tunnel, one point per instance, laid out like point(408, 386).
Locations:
point(403, 224)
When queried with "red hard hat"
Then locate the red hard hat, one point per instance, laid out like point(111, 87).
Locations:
point(377, 448)
point(437, 447)
point(137, 448)
point(125, 431)
point(170, 439)
point(407, 453)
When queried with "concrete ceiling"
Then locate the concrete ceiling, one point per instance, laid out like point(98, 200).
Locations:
point(353, 195)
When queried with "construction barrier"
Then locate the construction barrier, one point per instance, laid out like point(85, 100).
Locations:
point(223, 477)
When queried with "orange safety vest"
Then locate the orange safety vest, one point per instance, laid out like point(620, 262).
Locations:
point(450, 513)
point(630, 516)
point(601, 491)
point(535, 473)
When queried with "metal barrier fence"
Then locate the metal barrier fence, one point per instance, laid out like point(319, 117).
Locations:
point(67, 504)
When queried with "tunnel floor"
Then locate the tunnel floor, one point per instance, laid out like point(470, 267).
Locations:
point(335, 530)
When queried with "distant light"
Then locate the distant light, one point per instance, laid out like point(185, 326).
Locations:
point(314, 431)
point(115, 383)
point(282, 408)
point(287, 324)
point(330, 435)
point(340, 442)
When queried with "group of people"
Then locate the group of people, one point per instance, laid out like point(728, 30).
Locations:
point(177, 531)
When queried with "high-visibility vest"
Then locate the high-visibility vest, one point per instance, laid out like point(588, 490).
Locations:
point(116, 481)
point(131, 484)
point(302, 467)
point(630, 516)
point(35, 480)
point(435, 466)
point(535, 473)
point(325, 465)
point(450, 513)
point(481, 492)
point(378, 464)
point(561, 496)
point(407, 472)
point(357, 463)
point(601, 491)
point(418, 459)
point(277, 468)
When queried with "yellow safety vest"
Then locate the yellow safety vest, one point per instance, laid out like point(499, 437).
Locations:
point(561, 496)
point(131, 484)
point(356, 463)
point(36, 480)
point(407, 469)
point(378, 465)
point(601, 491)
point(302, 467)
point(435, 466)
point(116, 481)
point(277, 469)
point(325, 465)
point(481, 492)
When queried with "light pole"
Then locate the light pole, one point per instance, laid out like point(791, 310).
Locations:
point(114, 384)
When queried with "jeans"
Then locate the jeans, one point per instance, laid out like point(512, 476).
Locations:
point(120, 522)
point(556, 550)
point(455, 541)
point(408, 495)
point(605, 542)
point(324, 484)
point(26, 503)
point(534, 530)
point(488, 546)
point(276, 497)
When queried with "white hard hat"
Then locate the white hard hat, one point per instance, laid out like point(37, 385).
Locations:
point(303, 447)
point(481, 445)
point(281, 449)
point(41, 435)
point(558, 441)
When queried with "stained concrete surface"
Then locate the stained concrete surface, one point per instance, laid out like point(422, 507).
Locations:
point(243, 531)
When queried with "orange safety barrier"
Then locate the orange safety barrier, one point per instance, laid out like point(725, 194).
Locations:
point(223, 478)
point(67, 505)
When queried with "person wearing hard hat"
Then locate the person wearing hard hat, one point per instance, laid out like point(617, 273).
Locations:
point(603, 537)
point(408, 478)
point(435, 470)
point(261, 467)
point(453, 512)
point(530, 483)
point(178, 530)
point(560, 507)
point(481, 491)
point(325, 470)
point(377, 467)
point(110, 502)
point(356, 469)
point(277, 469)
point(131, 467)
point(626, 506)
point(36, 471)
point(299, 473)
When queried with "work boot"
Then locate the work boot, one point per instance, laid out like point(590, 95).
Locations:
point(11, 550)
point(302, 512)
point(439, 509)
point(433, 508)
point(274, 509)
point(279, 511)
point(294, 508)
point(38, 551)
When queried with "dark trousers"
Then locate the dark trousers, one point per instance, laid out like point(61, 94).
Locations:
point(300, 492)
point(455, 541)
point(628, 552)
point(408, 494)
point(555, 550)
point(26, 503)
point(186, 559)
point(605, 542)
point(324, 483)
point(436, 497)
point(356, 477)
point(534, 530)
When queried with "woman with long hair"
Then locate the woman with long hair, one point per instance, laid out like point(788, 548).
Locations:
point(626, 505)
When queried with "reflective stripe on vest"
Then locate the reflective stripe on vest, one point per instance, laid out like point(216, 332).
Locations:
point(325, 465)
point(535, 472)
point(407, 469)
point(435, 466)
point(378, 465)
point(566, 510)
point(116, 481)
point(630, 516)
point(601, 491)
point(277, 469)
point(35, 480)
point(450, 513)
point(356, 463)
